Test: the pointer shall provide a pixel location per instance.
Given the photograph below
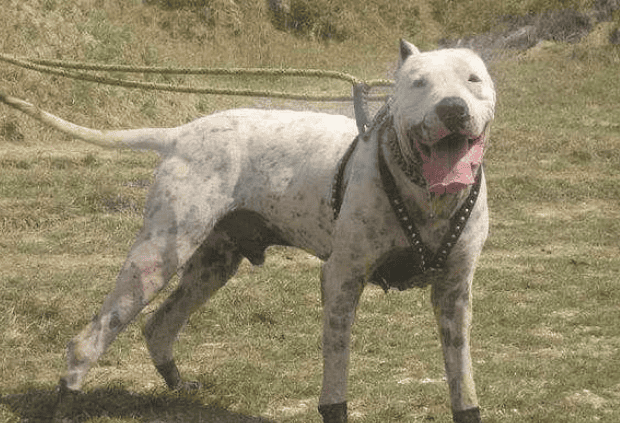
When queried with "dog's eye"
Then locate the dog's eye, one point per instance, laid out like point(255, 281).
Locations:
point(474, 78)
point(419, 83)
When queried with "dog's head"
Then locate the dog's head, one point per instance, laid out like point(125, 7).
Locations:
point(443, 106)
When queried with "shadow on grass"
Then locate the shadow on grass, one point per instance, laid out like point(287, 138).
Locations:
point(39, 406)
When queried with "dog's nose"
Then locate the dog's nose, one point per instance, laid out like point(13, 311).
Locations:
point(453, 112)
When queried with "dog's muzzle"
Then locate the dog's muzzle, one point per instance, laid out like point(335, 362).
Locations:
point(451, 154)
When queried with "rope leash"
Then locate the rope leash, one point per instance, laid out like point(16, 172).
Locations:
point(59, 68)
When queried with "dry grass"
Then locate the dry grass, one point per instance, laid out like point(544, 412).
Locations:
point(546, 342)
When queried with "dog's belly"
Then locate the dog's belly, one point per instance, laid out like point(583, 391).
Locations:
point(297, 213)
point(251, 234)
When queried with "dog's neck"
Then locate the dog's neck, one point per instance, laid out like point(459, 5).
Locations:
point(411, 168)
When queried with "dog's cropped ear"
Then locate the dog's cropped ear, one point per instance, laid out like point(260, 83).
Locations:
point(406, 50)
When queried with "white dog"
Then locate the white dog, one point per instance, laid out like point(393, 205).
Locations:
point(404, 206)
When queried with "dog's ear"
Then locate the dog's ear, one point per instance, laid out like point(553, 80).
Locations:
point(406, 50)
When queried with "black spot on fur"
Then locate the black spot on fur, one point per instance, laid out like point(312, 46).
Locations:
point(115, 321)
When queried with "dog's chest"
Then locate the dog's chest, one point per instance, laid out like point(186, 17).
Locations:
point(401, 268)
point(411, 260)
point(375, 236)
point(419, 246)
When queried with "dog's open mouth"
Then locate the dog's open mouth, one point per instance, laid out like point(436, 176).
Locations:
point(450, 164)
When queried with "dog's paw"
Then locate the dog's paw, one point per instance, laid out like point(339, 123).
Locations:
point(171, 375)
point(188, 386)
point(334, 413)
point(467, 416)
point(65, 400)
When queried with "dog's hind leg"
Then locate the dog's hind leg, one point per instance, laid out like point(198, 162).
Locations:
point(149, 266)
point(208, 270)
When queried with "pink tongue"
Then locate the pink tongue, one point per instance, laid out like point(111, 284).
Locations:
point(450, 170)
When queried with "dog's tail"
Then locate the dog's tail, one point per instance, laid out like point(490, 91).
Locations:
point(156, 139)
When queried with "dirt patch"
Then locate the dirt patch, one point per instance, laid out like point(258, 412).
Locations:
point(585, 397)
point(517, 33)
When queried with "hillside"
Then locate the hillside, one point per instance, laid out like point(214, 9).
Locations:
point(324, 34)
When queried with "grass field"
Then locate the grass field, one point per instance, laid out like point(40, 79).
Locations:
point(546, 337)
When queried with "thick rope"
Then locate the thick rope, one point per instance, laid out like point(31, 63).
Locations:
point(58, 67)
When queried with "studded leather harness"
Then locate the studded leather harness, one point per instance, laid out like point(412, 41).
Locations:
point(426, 260)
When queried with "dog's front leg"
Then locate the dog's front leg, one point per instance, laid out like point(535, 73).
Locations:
point(340, 294)
point(452, 306)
